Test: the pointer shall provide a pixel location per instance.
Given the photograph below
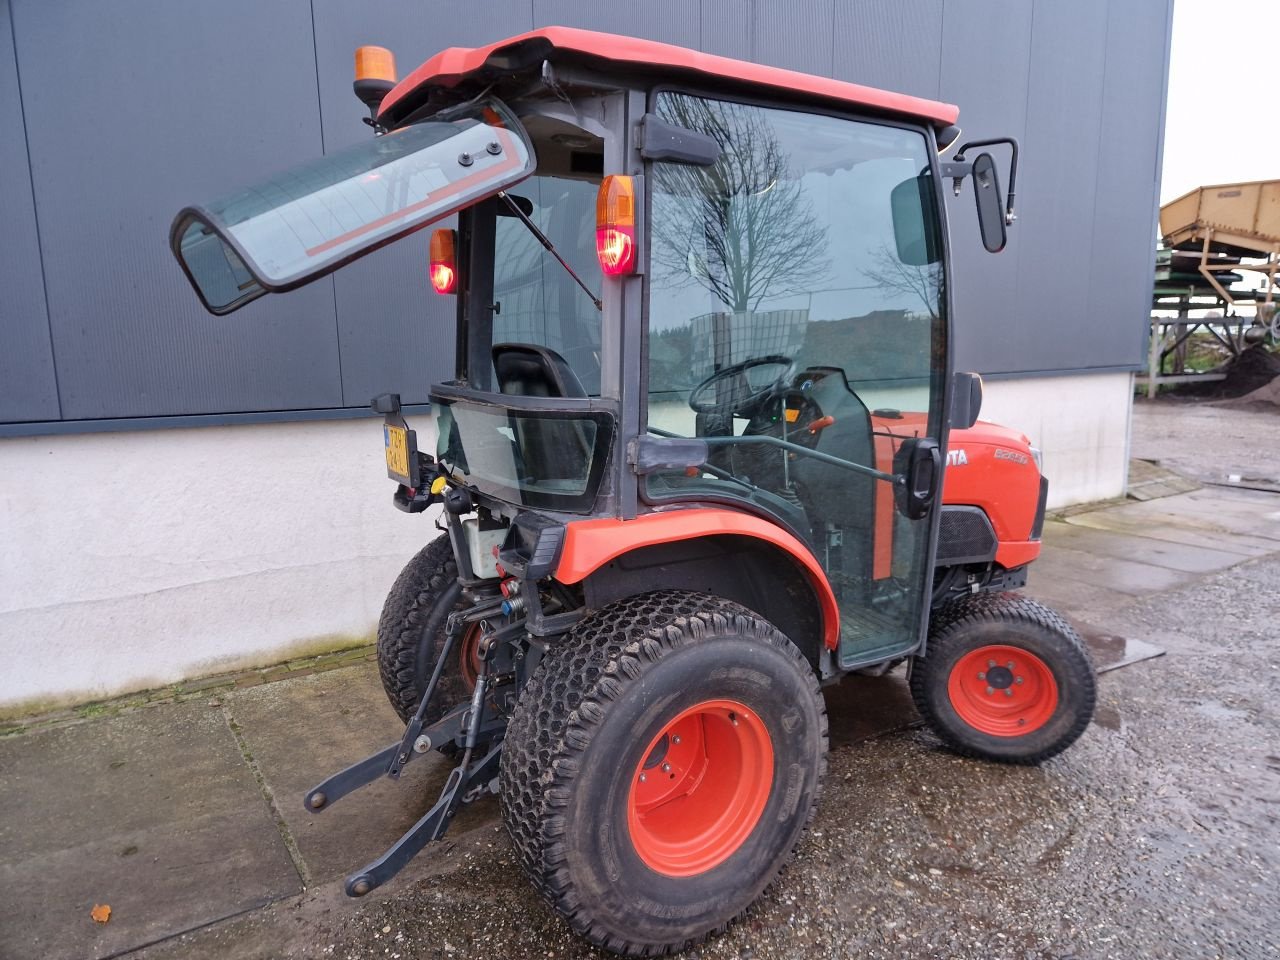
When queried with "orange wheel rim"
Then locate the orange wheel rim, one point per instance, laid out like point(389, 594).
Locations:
point(700, 789)
point(1003, 691)
point(469, 655)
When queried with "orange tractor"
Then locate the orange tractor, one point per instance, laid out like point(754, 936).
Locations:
point(690, 465)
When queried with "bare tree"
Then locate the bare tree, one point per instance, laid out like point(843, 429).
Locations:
point(890, 274)
point(743, 229)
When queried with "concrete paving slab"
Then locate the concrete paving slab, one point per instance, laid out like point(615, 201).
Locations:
point(1120, 521)
point(1142, 549)
point(154, 813)
point(1072, 597)
point(1107, 573)
point(1150, 481)
point(301, 731)
point(1216, 509)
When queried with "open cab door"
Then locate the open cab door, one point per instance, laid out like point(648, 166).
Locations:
point(303, 224)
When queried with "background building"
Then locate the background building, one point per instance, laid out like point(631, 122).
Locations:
point(181, 493)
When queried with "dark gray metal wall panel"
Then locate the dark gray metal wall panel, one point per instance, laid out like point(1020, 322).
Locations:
point(985, 62)
point(792, 35)
point(394, 332)
point(28, 388)
point(725, 30)
point(230, 91)
point(1128, 182)
point(670, 21)
point(1051, 328)
point(894, 44)
point(133, 110)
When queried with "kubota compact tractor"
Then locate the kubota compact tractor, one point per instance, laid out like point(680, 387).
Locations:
point(689, 465)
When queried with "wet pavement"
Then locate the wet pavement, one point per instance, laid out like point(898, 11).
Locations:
point(1156, 835)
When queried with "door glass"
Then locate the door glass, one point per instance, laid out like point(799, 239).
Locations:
point(787, 317)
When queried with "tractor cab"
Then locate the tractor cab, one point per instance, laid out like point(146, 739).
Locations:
point(690, 462)
point(678, 286)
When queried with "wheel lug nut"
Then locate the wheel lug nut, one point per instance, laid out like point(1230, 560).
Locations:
point(991, 663)
point(990, 690)
point(982, 676)
point(642, 778)
point(666, 768)
point(1008, 691)
point(675, 739)
point(1009, 664)
point(1017, 679)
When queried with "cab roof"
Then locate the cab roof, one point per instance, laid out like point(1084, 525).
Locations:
point(459, 66)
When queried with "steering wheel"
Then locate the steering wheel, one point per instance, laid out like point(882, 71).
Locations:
point(730, 391)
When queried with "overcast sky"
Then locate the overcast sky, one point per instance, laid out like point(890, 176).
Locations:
point(1221, 125)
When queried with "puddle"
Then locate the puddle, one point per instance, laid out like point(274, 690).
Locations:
point(862, 708)
point(1111, 652)
point(1108, 718)
point(1220, 711)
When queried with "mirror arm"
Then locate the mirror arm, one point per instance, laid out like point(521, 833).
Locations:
point(957, 170)
point(1009, 215)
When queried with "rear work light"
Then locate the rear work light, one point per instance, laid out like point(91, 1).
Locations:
point(444, 261)
point(616, 226)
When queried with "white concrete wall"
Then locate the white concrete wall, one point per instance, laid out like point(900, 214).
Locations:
point(1080, 423)
point(134, 560)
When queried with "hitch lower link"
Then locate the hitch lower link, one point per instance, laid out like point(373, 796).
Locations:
point(468, 725)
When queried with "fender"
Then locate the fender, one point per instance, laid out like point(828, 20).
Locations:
point(590, 544)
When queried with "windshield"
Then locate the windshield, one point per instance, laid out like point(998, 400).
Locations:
point(306, 222)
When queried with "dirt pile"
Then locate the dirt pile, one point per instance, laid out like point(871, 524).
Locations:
point(1266, 397)
point(1252, 371)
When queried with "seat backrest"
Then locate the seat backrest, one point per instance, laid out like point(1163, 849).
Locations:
point(532, 370)
point(833, 495)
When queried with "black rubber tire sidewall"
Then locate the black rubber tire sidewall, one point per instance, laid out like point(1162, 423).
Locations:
point(575, 738)
point(411, 633)
point(1015, 621)
point(598, 844)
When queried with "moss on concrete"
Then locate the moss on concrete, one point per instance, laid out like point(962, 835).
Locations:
point(312, 655)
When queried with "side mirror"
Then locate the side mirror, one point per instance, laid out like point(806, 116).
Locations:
point(966, 400)
point(991, 212)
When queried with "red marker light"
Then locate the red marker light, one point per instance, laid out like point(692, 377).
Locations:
point(616, 226)
point(444, 265)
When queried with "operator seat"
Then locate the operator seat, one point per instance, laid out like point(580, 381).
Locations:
point(834, 497)
point(532, 370)
point(549, 450)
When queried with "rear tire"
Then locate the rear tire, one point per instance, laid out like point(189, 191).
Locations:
point(720, 713)
point(411, 634)
point(1004, 678)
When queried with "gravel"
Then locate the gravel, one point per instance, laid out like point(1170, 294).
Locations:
point(1156, 835)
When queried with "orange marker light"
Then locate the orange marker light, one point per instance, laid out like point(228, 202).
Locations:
point(375, 63)
point(444, 262)
point(616, 226)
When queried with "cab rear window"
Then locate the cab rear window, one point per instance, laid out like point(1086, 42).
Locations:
point(307, 222)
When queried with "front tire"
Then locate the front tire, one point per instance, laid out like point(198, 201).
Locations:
point(660, 767)
point(1004, 678)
